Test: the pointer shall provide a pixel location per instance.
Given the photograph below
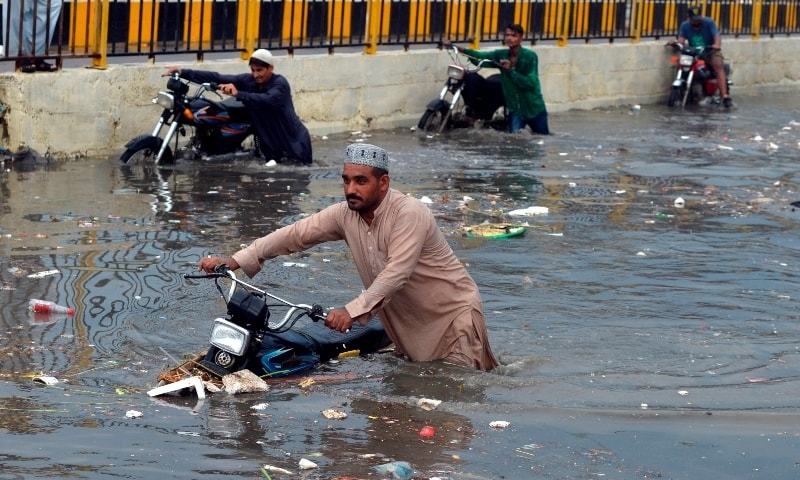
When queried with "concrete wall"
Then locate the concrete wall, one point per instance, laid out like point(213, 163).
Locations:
point(91, 112)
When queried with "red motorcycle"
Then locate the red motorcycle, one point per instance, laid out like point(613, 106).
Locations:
point(695, 80)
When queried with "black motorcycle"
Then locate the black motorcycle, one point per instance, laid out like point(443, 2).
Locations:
point(220, 127)
point(466, 99)
point(248, 339)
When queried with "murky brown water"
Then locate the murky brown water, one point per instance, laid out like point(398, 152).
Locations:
point(640, 340)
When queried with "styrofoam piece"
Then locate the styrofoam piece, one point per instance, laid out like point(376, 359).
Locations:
point(191, 382)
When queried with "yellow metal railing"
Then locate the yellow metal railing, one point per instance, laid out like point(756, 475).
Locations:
point(99, 28)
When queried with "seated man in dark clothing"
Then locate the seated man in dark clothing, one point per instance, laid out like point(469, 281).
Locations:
point(268, 98)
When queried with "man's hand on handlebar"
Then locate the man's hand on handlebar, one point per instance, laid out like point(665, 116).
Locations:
point(447, 44)
point(338, 319)
point(171, 70)
point(228, 89)
point(209, 264)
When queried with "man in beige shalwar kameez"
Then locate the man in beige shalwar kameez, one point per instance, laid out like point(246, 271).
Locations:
point(428, 303)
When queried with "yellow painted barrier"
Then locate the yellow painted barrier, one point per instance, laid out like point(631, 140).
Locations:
point(791, 16)
point(339, 14)
point(142, 24)
point(670, 16)
point(491, 10)
point(248, 13)
point(197, 24)
point(82, 37)
point(88, 33)
point(755, 21)
point(608, 16)
point(522, 11)
point(419, 19)
point(735, 17)
point(295, 19)
point(378, 16)
point(456, 19)
point(580, 18)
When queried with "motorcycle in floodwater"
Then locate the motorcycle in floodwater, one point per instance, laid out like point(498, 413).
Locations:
point(695, 80)
point(466, 99)
point(247, 339)
point(220, 127)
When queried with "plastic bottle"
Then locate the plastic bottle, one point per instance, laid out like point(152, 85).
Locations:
point(43, 306)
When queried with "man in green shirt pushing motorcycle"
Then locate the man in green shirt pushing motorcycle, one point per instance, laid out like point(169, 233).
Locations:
point(519, 75)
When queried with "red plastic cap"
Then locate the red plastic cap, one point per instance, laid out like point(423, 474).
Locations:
point(70, 311)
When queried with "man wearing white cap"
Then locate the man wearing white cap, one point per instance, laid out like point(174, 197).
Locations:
point(268, 98)
point(427, 302)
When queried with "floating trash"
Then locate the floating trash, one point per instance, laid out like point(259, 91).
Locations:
point(499, 424)
point(679, 202)
point(530, 211)
point(274, 469)
point(306, 464)
point(494, 231)
point(333, 414)
point(47, 380)
point(44, 274)
point(133, 414)
point(428, 403)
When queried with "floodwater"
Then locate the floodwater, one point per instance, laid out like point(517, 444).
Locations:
point(639, 340)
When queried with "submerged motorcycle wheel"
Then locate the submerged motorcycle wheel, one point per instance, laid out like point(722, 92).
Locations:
point(675, 97)
point(143, 150)
point(431, 120)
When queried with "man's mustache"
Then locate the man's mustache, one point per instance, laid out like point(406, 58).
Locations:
point(352, 197)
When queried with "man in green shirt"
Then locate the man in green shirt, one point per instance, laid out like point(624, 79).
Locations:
point(519, 75)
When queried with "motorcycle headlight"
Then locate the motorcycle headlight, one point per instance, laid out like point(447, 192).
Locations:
point(229, 337)
point(164, 99)
point(687, 60)
point(455, 72)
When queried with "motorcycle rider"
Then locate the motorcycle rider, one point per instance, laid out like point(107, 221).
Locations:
point(519, 75)
point(268, 98)
point(701, 33)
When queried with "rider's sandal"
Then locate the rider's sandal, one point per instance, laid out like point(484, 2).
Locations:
point(727, 102)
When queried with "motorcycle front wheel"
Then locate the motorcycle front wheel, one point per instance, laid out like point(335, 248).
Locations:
point(675, 97)
point(431, 120)
point(143, 150)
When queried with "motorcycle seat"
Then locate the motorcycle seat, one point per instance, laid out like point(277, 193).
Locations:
point(326, 343)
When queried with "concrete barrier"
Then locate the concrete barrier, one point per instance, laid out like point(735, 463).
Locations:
point(94, 112)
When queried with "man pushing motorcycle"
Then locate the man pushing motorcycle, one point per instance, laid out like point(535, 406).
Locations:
point(429, 305)
point(519, 75)
point(268, 98)
point(701, 33)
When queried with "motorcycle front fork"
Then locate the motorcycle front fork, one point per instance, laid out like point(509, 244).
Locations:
point(453, 102)
point(170, 133)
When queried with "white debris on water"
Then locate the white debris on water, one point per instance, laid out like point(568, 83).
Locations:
point(426, 199)
point(683, 393)
point(643, 406)
point(724, 147)
point(306, 464)
point(679, 202)
point(260, 406)
point(530, 211)
point(47, 380)
point(244, 381)
point(295, 264)
point(274, 469)
point(428, 403)
point(758, 138)
point(44, 274)
point(334, 414)
point(133, 414)
point(499, 424)
point(641, 254)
